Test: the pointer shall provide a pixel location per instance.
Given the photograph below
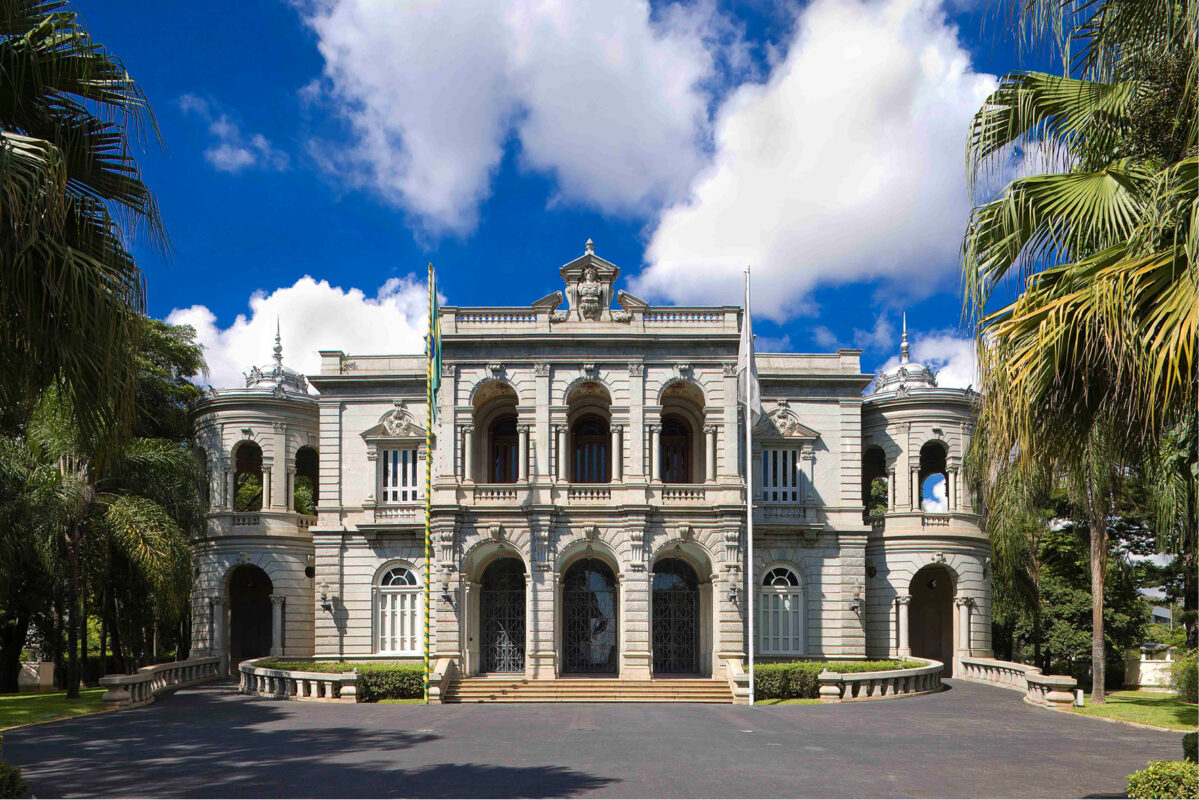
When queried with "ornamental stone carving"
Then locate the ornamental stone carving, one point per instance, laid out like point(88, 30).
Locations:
point(730, 368)
point(448, 370)
point(541, 369)
point(590, 291)
point(636, 369)
point(397, 424)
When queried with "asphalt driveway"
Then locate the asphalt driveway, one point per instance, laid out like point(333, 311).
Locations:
point(971, 741)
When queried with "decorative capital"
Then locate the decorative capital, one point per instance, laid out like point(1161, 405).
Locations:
point(903, 600)
point(963, 601)
point(278, 599)
point(710, 429)
point(218, 600)
point(655, 428)
point(636, 369)
point(522, 428)
point(280, 427)
point(448, 370)
point(541, 369)
point(616, 428)
point(730, 368)
point(468, 429)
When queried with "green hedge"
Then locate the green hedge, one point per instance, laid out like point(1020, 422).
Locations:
point(1184, 677)
point(1190, 746)
point(798, 679)
point(11, 784)
point(376, 681)
point(1164, 779)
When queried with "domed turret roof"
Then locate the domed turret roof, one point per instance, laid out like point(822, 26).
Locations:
point(907, 374)
point(275, 376)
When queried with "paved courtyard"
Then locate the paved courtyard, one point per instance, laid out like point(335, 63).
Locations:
point(972, 741)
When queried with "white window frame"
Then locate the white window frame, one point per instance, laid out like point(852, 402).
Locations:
point(397, 614)
point(782, 619)
point(400, 475)
point(782, 474)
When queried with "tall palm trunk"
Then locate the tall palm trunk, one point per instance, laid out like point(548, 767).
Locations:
point(73, 612)
point(1098, 531)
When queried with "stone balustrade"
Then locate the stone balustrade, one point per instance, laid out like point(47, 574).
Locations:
point(258, 678)
point(738, 680)
point(589, 493)
point(883, 685)
point(685, 493)
point(1050, 691)
point(240, 520)
point(141, 688)
point(443, 673)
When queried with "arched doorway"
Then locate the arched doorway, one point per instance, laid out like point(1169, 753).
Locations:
point(675, 604)
point(931, 616)
point(502, 617)
point(249, 613)
point(589, 620)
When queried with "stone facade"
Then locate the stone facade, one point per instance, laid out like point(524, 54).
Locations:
point(588, 502)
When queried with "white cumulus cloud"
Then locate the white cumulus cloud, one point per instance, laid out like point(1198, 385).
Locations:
point(609, 99)
point(232, 150)
point(845, 165)
point(312, 315)
point(934, 499)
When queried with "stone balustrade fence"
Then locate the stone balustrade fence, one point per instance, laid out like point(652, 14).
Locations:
point(1050, 691)
point(141, 688)
point(262, 680)
point(836, 687)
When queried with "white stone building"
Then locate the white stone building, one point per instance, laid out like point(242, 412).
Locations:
point(588, 507)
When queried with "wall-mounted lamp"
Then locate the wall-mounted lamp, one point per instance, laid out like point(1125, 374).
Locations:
point(446, 595)
point(326, 603)
point(733, 594)
point(855, 604)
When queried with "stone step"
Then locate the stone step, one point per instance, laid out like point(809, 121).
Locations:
point(589, 690)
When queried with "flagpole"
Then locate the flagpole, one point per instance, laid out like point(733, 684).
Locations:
point(749, 510)
point(430, 344)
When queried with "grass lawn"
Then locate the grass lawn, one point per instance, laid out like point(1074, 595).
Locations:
point(21, 709)
point(794, 701)
point(1163, 709)
point(408, 701)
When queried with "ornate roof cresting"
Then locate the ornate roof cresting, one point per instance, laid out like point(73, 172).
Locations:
point(906, 375)
point(275, 377)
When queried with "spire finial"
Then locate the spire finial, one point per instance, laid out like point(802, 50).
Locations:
point(904, 349)
point(590, 246)
point(278, 349)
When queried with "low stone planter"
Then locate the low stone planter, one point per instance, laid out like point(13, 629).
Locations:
point(143, 686)
point(1050, 691)
point(884, 685)
point(260, 679)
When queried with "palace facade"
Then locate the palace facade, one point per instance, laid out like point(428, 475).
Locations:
point(588, 501)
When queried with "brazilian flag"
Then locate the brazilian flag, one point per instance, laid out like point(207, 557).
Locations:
point(433, 345)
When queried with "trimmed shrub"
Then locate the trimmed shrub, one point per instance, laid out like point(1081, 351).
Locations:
point(1190, 743)
point(391, 682)
point(1184, 677)
point(11, 784)
point(800, 679)
point(1164, 779)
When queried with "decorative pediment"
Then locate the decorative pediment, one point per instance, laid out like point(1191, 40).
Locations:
point(549, 303)
point(589, 280)
point(783, 422)
point(395, 424)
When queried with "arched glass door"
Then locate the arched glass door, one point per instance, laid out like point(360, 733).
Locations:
point(675, 618)
point(589, 623)
point(502, 617)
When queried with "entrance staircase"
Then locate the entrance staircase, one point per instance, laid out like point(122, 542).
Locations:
point(588, 690)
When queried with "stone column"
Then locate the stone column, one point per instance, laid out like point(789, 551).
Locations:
point(891, 487)
point(220, 642)
point(289, 490)
point(523, 445)
point(277, 601)
point(915, 484)
point(617, 453)
point(905, 643)
point(268, 494)
point(561, 431)
point(951, 489)
point(635, 596)
point(468, 452)
point(230, 490)
point(710, 459)
point(655, 452)
point(963, 604)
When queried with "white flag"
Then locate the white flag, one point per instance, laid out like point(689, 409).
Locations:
point(748, 387)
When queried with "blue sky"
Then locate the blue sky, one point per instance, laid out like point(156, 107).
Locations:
point(317, 155)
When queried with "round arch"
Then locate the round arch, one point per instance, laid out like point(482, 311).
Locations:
point(781, 624)
point(590, 604)
point(249, 588)
point(682, 618)
point(931, 629)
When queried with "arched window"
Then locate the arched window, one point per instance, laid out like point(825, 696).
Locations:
point(934, 483)
point(676, 450)
point(304, 493)
point(397, 599)
point(591, 440)
point(781, 613)
point(247, 477)
point(504, 464)
point(876, 496)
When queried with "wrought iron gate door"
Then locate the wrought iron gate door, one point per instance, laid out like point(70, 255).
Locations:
point(675, 618)
point(502, 624)
point(589, 643)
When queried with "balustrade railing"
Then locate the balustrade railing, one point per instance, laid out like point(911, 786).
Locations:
point(682, 493)
point(1051, 691)
point(245, 519)
point(493, 317)
point(505, 493)
point(588, 492)
point(140, 688)
point(838, 687)
point(258, 678)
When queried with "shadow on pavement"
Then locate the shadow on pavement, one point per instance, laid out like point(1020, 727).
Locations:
point(212, 743)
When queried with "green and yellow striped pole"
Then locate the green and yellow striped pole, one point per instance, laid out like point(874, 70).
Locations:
point(430, 350)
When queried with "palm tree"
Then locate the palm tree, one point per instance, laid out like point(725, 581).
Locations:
point(72, 195)
point(1094, 359)
point(138, 503)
